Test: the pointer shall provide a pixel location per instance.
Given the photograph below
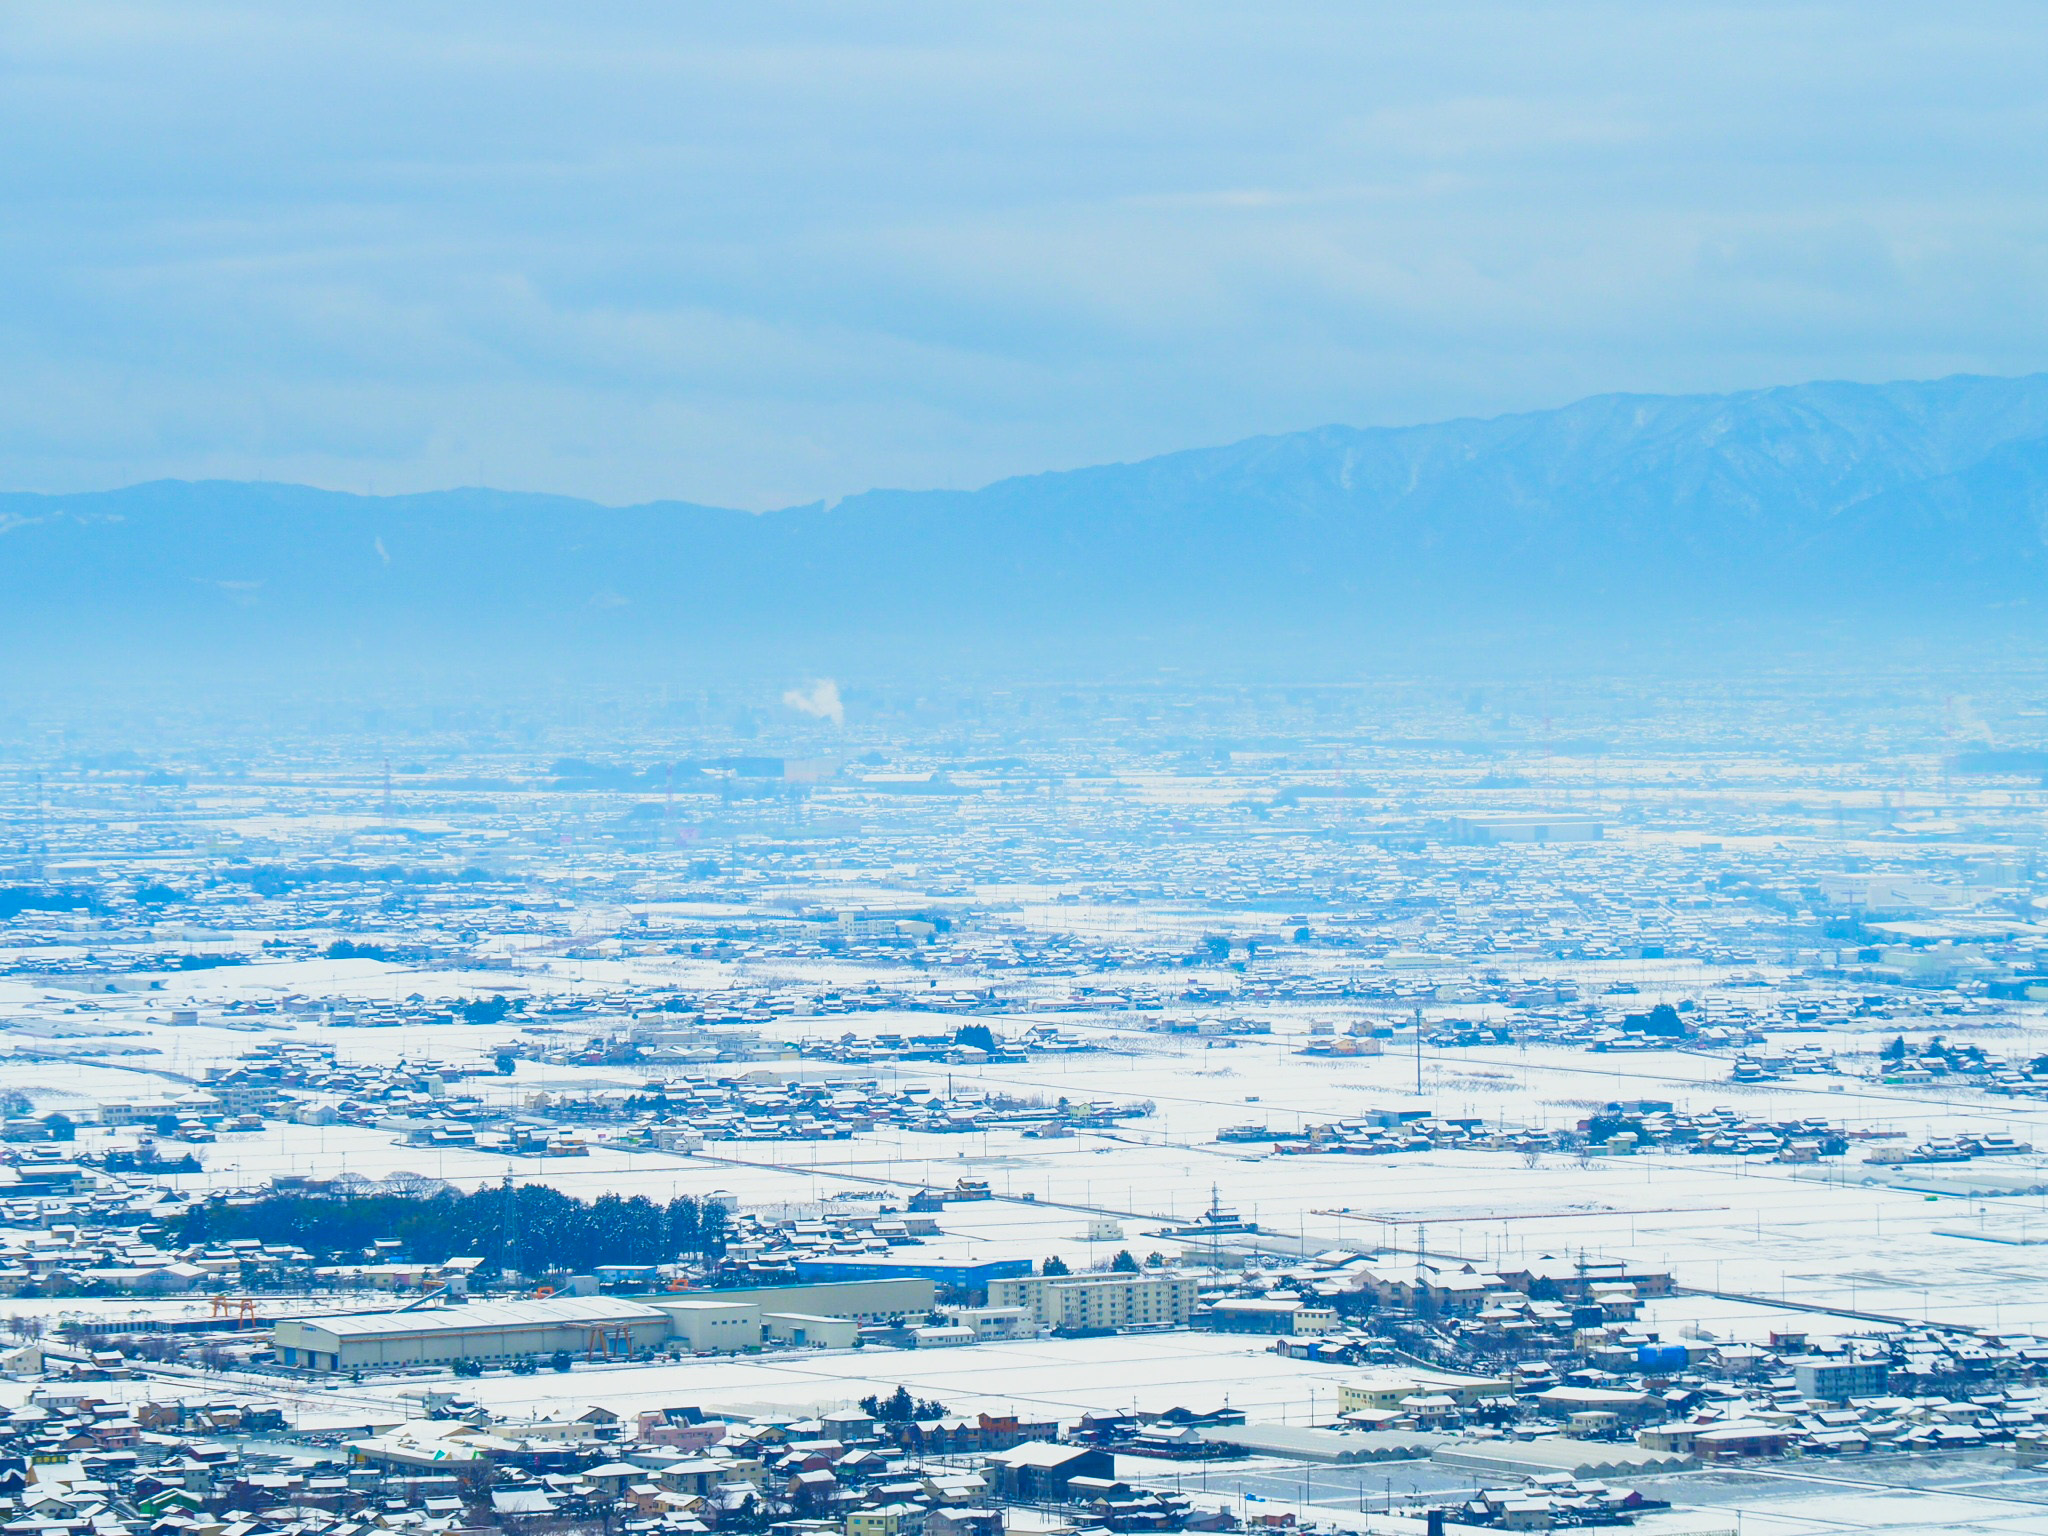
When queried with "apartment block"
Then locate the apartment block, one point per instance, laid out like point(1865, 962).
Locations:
point(1151, 1299)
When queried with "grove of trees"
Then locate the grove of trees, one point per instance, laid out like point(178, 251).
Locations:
point(548, 1230)
point(901, 1408)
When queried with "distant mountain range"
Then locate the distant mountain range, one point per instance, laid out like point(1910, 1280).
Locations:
point(1851, 503)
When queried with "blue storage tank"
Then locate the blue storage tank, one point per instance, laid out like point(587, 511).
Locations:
point(1661, 1359)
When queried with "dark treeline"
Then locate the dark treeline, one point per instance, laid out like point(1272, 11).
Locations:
point(548, 1230)
point(17, 899)
point(277, 879)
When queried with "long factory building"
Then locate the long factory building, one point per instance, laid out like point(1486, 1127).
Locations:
point(607, 1327)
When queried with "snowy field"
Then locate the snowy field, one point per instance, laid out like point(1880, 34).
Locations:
point(1745, 1228)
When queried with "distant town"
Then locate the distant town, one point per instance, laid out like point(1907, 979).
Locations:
point(1026, 1112)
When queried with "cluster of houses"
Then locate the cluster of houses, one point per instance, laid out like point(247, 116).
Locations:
point(1617, 1131)
point(682, 1113)
point(96, 1257)
point(1913, 1391)
point(1554, 1501)
point(1721, 1131)
point(422, 1102)
point(74, 1464)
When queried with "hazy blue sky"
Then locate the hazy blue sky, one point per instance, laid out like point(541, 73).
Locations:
point(761, 253)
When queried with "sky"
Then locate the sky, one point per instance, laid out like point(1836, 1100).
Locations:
point(763, 254)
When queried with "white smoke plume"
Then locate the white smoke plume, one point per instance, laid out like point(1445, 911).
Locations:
point(820, 700)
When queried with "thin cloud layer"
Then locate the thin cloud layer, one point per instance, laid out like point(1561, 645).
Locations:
point(769, 254)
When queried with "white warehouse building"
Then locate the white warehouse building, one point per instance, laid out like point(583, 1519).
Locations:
point(714, 1322)
point(482, 1330)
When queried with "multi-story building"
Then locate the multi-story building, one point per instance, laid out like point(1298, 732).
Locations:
point(1093, 1303)
point(1836, 1379)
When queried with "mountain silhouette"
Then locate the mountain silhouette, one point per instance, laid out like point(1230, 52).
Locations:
point(1853, 504)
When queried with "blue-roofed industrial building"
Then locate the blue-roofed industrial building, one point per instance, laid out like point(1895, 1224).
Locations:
point(969, 1277)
